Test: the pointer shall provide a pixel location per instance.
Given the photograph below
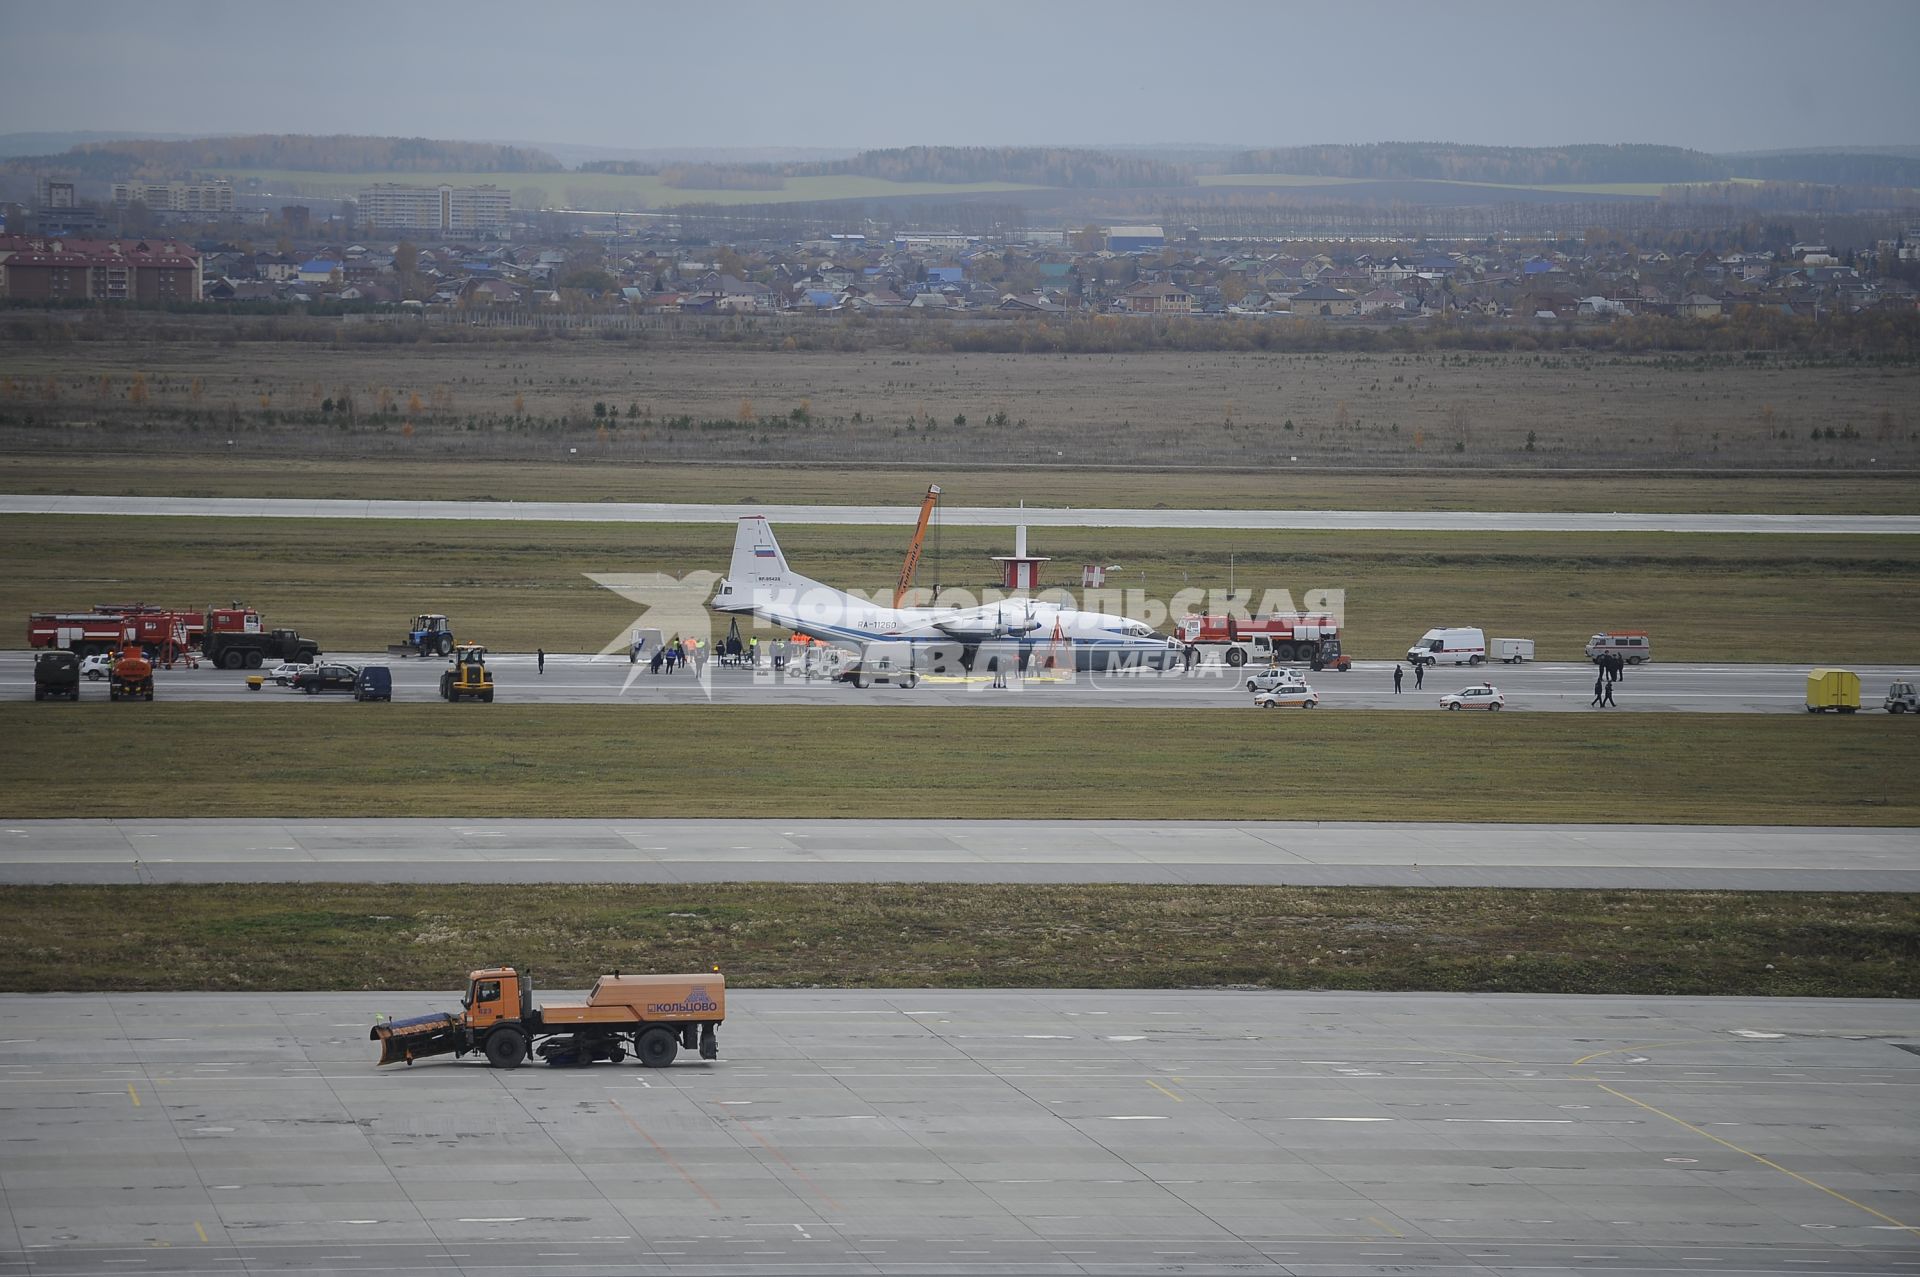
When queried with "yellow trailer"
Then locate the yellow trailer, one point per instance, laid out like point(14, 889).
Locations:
point(1833, 689)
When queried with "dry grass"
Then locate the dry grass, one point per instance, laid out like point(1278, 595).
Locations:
point(599, 478)
point(350, 584)
point(386, 936)
point(1216, 409)
point(296, 759)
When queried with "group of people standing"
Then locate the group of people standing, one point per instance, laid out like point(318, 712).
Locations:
point(1419, 676)
point(1609, 668)
point(675, 655)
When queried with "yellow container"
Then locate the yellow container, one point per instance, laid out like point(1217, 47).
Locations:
point(1832, 689)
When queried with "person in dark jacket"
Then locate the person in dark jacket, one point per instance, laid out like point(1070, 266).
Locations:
point(1608, 699)
point(540, 655)
point(1599, 687)
point(1396, 680)
point(1419, 675)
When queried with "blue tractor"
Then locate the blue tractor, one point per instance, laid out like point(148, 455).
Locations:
point(430, 635)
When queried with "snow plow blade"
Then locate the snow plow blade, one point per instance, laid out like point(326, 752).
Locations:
point(404, 1041)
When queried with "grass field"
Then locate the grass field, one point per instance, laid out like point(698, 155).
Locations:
point(1259, 413)
point(615, 191)
point(350, 584)
point(608, 191)
point(282, 760)
point(1647, 190)
point(594, 478)
point(383, 936)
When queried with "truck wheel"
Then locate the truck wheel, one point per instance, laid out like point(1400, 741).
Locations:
point(232, 660)
point(506, 1048)
point(1236, 656)
point(486, 697)
point(253, 660)
point(616, 1055)
point(656, 1048)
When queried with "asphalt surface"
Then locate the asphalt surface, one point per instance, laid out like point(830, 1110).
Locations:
point(975, 1132)
point(1693, 857)
point(1529, 688)
point(970, 516)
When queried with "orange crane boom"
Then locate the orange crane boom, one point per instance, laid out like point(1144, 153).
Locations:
point(913, 550)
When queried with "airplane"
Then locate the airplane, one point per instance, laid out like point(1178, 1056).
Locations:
point(760, 582)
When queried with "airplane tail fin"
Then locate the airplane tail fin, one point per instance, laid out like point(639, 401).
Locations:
point(759, 571)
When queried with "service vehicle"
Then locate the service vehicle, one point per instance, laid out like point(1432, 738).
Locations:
point(243, 648)
point(1273, 677)
point(285, 671)
point(96, 667)
point(1286, 696)
point(1485, 696)
point(1633, 646)
point(431, 634)
point(231, 637)
point(1511, 651)
point(375, 683)
point(468, 676)
point(132, 676)
point(1310, 638)
point(56, 676)
point(893, 663)
point(650, 1016)
point(1451, 645)
point(111, 626)
point(1833, 689)
point(328, 676)
point(1901, 698)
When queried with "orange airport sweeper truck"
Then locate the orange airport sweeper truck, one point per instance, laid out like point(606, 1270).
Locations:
point(652, 1016)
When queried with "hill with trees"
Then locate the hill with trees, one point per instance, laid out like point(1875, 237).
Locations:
point(337, 153)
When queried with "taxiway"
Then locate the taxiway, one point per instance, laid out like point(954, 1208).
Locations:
point(976, 1132)
point(1272, 853)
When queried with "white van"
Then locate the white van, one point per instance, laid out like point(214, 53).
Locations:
point(1459, 645)
point(1633, 646)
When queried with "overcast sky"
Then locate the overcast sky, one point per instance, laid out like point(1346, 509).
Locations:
point(1714, 74)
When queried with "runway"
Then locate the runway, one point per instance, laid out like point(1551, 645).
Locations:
point(1600, 524)
point(1532, 688)
point(975, 1132)
point(1693, 857)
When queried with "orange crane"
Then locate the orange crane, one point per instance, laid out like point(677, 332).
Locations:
point(913, 550)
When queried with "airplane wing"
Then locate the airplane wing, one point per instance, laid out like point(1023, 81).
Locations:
point(981, 624)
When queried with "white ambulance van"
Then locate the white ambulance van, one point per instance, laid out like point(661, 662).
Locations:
point(1458, 645)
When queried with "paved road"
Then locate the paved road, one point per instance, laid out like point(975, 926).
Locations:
point(1698, 857)
point(1369, 685)
point(976, 1132)
point(970, 516)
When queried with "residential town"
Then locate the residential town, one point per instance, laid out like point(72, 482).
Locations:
point(1122, 270)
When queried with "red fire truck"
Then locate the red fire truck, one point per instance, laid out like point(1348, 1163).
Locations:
point(230, 637)
point(1310, 638)
point(110, 626)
